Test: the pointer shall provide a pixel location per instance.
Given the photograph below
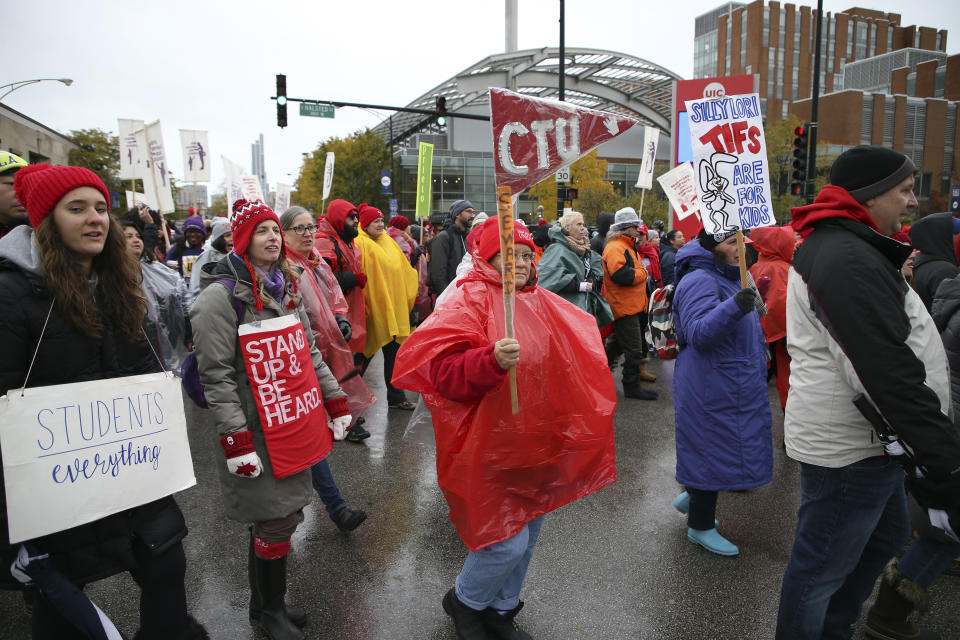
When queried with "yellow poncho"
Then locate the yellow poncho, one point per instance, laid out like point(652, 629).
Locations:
point(390, 292)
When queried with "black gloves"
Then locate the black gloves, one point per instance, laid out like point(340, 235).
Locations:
point(344, 327)
point(746, 300)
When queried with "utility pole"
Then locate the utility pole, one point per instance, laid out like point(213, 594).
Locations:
point(810, 183)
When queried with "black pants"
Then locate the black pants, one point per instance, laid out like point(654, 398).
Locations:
point(394, 395)
point(163, 599)
point(703, 509)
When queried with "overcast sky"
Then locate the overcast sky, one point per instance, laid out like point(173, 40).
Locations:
point(211, 65)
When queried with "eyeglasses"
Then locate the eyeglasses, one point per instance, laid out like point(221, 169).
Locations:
point(302, 229)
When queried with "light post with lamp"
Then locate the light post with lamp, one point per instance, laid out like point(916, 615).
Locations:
point(13, 86)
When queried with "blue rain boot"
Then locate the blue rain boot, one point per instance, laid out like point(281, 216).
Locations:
point(712, 541)
point(682, 503)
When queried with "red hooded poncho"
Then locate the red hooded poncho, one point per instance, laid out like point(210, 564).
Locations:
point(344, 257)
point(499, 471)
point(775, 246)
point(323, 299)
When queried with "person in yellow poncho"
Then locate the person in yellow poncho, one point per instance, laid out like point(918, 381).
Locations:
point(389, 296)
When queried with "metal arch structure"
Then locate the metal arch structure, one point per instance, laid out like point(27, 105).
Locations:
point(593, 78)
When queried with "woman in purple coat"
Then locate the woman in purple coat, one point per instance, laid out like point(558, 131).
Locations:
point(720, 386)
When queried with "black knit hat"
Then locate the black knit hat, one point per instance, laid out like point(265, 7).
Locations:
point(867, 172)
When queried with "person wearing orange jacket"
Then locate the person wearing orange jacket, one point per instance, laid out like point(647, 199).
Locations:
point(775, 246)
point(625, 288)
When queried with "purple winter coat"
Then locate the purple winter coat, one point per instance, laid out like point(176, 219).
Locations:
point(720, 394)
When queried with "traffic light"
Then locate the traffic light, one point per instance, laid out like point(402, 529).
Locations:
point(281, 100)
point(441, 111)
point(800, 155)
point(572, 194)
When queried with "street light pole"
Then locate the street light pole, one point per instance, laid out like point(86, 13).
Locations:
point(13, 86)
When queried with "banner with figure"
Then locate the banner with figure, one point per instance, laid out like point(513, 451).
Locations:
point(132, 155)
point(328, 174)
point(194, 146)
point(282, 202)
point(232, 183)
point(74, 453)
point(159, 168)
point(681, 189)
point(651, 139)
point(730, 163)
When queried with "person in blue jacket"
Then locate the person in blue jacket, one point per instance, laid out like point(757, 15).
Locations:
point(720, 395)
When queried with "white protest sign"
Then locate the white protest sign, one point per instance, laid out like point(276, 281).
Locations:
point(651, 139)
point(194, 147)
point(158, 165)
point(75, 453)
point(133, 199)
point(132, 155)
point(232, 173)
point(251, 187)
point(680, 186)
point(328, 174)
point(282, 203)
point(730, 163)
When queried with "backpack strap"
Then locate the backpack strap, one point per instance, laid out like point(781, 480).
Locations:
point(237, 304)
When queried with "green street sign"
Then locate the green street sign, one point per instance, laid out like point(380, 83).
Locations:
point(317, 110)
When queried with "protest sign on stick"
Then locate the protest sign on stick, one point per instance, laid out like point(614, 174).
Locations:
point(159, 169)
point(651, 139)
point(532, 138)
point(232, 182)
point(75, 453)
point(730, 165)
point(679, 185)
point(328, 167)
point(424, 185)
point(282, 202)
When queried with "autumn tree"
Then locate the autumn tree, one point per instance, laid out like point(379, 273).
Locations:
point(359, 159)
point(588, 176)
point(219, 206)
point(98, 151)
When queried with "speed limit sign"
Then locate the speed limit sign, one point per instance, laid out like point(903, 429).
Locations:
point(563, 175)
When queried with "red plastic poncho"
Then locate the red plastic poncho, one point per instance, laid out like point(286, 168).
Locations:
point(323, 298)
point(775, 246)
point(499, 471)
point(344, 257)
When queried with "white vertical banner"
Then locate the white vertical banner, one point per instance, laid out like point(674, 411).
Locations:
point(251, 187)
point(680, 186)
point(282, 202)
point(193, 145)
point(651, 139)
point(232, 183)
point(328, 174)
point(145, 174)
point(132, 155)
point(159, 167)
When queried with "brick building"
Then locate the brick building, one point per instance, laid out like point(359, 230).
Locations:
point(880, 82)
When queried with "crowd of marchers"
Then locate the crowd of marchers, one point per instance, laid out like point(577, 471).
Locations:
point(854, 319)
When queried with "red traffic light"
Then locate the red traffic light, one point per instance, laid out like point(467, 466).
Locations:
point(799, 131)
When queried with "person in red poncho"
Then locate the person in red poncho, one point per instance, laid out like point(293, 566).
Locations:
point(501, 473)
point(775, 246)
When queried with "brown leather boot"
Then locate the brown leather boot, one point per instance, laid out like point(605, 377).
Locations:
point(644, 376)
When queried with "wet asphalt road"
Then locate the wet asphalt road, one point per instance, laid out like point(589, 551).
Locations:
point(614, 565)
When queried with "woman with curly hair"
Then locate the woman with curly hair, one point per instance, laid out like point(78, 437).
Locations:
point(73, 312)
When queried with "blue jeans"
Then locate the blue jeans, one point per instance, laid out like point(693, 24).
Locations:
point(926, 559)
point(852, 520)
point(493, 576)
point(326, 488)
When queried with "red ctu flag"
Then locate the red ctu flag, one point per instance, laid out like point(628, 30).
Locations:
point(286, 392)
point(533, 137)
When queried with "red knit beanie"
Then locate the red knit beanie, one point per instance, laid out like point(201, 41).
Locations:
point(337, 212)
point(39, 187)
point(368, 214)
point(399, 222)
point(489, 244)
point(246, 216)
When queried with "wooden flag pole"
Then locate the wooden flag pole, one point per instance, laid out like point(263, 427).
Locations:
point(643, 192)
point(195, 198)
point(742, 259)
point(509, 264)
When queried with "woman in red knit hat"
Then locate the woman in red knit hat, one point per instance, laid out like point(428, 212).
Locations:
point(501, 473)
point(73, 311)
point(265, 480)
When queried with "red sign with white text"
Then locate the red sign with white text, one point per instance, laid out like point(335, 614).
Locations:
point(533, 137)
point(285, 389)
